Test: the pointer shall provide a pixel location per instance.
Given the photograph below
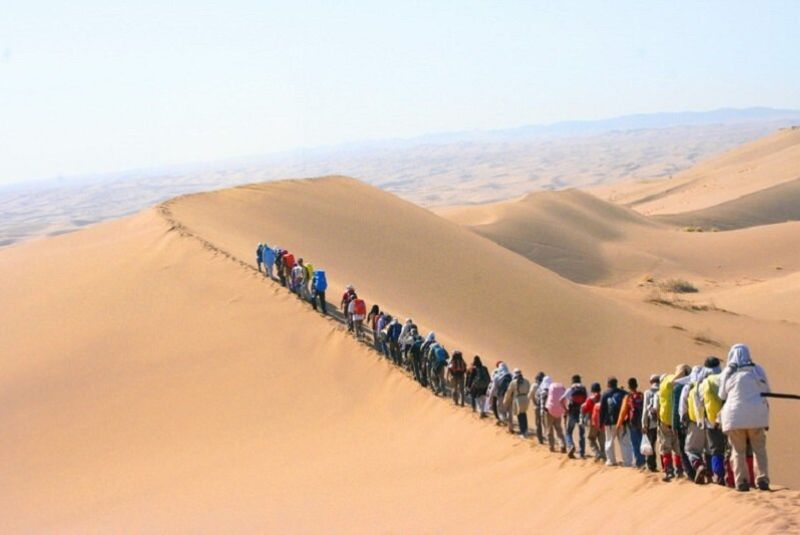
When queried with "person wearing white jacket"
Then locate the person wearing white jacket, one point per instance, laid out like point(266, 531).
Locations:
point(745, 415)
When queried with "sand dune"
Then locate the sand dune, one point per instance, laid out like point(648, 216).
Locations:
point(745, 170)
point(160, 385)
point(413, 262)
point(591, 241)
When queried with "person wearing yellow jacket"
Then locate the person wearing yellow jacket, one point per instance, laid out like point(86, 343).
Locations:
point(668, 444)
point(712, 406)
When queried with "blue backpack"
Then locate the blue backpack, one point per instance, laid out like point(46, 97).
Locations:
point(440, 356)
point(320, 282)
point(615, 404)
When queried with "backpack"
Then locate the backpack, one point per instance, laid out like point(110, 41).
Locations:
point(359, 307)
point(458, 366)
point(615, 405)
point(482, 379)
point(440, 355)
point(665, 399)
point(320, 282)
point(309, 271)
point(577, 398)
point(711, 400)
point(288, 260)
point(636, 400)
point(503, 386)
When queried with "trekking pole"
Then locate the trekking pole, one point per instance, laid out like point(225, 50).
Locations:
point(781, 396)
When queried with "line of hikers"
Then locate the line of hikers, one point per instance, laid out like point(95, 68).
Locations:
point(706, 422)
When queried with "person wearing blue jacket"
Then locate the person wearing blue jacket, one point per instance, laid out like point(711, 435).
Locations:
point(319, 283)
point(393, 337)
point(268, 259)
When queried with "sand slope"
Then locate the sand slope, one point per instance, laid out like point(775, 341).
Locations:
point(158, 385)
point(751, 168)
point(413, 262)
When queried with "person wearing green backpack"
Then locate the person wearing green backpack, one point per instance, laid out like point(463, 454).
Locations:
point(668, 445)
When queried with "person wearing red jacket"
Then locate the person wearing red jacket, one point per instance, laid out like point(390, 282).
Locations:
point(590, 413)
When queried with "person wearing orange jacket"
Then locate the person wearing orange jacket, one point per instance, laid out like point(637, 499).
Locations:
point(630, 418)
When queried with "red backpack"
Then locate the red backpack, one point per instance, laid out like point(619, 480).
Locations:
point(359, 307)
point(288, 260)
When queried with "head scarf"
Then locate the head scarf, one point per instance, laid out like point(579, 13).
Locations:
point(739, 355)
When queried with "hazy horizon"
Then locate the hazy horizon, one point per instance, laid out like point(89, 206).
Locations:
point(95, 88)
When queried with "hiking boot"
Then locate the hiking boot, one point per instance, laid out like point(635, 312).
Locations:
point(762, 484)
point(667, 477)
point(563, 449)
point(571, 452)
point(700, 475)
point(743, 487)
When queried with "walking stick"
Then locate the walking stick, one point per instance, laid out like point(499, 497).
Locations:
point(781, 396)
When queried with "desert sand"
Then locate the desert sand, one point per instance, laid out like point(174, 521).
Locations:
point(754, 167)
point(154, 381)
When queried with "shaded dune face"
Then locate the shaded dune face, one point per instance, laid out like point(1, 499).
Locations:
point(591, 241)
point(152, 380)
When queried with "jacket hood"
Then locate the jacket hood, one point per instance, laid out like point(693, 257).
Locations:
point(503, 369)
point(431, 337)
point(739, 355)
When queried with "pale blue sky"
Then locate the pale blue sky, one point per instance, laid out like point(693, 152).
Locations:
point(90, 86)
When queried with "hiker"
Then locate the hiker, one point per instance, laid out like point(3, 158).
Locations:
point(318, 287)
point(695, 441)
point(374, 322)
point(298, 277)
point(650, 419)
point(516, 399)
point(415, 355)
point(668, 446)
point(630, 420)
point(308, 277)
point(288, 266)
point(279, 253)
point(404, 339)
point(538, 407)
point(745, 414)
point(679, 421)
point(477, 383)
point(590, 412)
point(382, 325)
point(610, 407)
point(457, 371)
point(259, 251)
point(501, 378)
point(357, 310)
point(437, 362)
point(372, 317)
point(392, 338)
point(574, 398)
point(708, 393)
point(268, 259)
point(349, 295)
point(555, 412)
